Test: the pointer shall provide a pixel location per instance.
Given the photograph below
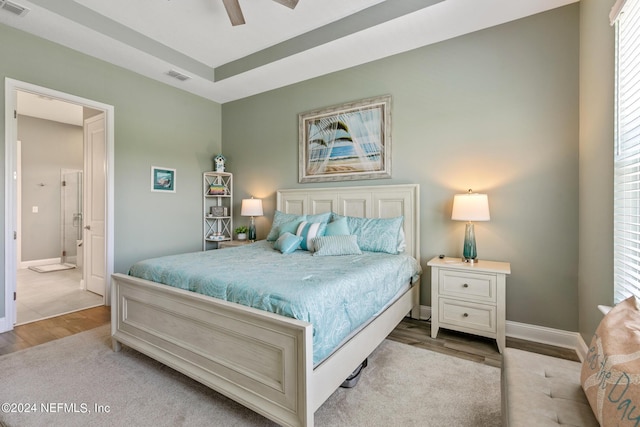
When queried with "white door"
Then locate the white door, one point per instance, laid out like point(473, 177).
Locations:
point(95, 162)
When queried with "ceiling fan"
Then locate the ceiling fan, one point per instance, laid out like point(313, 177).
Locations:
point(235, 13)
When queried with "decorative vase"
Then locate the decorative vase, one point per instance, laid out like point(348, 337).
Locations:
point(469, 252)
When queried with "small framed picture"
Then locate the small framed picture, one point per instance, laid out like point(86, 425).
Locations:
point(163, 179)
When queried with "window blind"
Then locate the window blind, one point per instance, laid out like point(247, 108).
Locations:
point(627, 152)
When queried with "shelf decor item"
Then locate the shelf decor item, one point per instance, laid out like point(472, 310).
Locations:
point(217, 190)
point(241, 232)
point(219, 162)
point(217, 211)
point(470, 207)
point(251, 207)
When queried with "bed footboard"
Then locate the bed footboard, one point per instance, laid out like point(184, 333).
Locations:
point(261, 360)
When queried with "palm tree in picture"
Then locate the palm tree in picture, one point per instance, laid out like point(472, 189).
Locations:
point(334, 146)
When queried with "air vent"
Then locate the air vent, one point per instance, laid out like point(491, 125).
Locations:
point(16, 9)
point(178, 75)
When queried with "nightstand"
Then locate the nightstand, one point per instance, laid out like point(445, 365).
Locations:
point(232, 243)
point(469, 297)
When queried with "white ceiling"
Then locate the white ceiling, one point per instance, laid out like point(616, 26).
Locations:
point(43, 107)
point(276, 47)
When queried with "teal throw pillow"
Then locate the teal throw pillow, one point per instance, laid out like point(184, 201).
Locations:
point(336, 245)
point(280, 218)
point(338, 227)
point(287, 243)
point(289, 227)
point(323, 217)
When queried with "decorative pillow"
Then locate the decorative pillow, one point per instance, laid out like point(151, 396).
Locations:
point(287, 243)
point(610, 373)
point(336, 245)
point(323, 217)
point(309, 231)
point(280, 218)
point(376, 234)
point(338, 227)
point(289, 227)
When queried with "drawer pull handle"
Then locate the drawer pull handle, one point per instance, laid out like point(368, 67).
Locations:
point(465, 315)
point(465, 285)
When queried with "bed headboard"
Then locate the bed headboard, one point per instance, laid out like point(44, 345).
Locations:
point(378, 201)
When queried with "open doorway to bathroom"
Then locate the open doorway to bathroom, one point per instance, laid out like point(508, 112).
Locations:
point(49, 276)
point(98, 198)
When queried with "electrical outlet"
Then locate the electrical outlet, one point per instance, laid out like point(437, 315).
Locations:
point(34, 209)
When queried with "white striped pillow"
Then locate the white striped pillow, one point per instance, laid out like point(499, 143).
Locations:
point(309, 231)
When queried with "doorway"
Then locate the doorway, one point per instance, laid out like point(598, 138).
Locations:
point(72, 228)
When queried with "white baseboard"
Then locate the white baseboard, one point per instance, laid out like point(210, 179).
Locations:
point(534, 333)
point(544, 335)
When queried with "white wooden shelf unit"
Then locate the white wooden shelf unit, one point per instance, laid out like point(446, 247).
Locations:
point(217, 209)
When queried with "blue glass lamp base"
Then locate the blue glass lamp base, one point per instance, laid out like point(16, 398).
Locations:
point(469, 253)
point(252, 231)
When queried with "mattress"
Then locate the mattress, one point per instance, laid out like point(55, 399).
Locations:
point(336, 294)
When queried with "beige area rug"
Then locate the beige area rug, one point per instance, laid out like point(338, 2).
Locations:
point(79, 381)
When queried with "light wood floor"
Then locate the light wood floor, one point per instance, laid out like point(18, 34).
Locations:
point(470, 347)
point(410, 331)
point(42, 331)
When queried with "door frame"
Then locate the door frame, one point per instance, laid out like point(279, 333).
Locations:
point(10, 200)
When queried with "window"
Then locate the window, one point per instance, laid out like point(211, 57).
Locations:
point(625, 16)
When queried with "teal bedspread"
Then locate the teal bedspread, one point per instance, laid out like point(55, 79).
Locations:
point(336, 294)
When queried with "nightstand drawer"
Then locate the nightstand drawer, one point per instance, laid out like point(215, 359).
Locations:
point(469, 286)
point(479, 317)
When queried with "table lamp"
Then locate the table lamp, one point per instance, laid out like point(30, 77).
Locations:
point(251, 207)
point(470, 207)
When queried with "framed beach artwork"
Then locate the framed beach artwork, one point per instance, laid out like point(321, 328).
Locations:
point(163, 179)
point(351, 141)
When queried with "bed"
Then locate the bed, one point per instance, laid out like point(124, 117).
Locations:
point(264, 360)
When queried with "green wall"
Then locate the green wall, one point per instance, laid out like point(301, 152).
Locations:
point(596, 162)
point(495, 111)
point(155, 124)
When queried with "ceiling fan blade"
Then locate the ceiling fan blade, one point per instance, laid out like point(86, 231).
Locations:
point(234, 12)
point(291, 4)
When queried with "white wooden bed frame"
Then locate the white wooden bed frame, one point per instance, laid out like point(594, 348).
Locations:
point(262, 360)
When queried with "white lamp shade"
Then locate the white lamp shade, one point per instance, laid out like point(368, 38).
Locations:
point(470, 207)
point(251, 207)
